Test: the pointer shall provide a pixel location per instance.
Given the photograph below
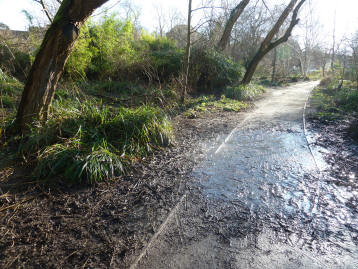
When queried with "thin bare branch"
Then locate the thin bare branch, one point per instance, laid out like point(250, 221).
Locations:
point(45, 10)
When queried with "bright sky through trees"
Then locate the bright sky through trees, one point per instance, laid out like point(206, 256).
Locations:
point(346, 12)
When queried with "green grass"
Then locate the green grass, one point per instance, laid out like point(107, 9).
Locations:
point(244, 92)
point(91, 142)
point(10, 91)
point(196, 106)
point(333, 103)
point(129, 95)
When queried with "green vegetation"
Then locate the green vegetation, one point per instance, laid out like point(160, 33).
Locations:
point(244, 92)
point(113, 104)
point(196, 106)
point(91, 141)
point(10, 89)
point(212, 72)
point(334, 99)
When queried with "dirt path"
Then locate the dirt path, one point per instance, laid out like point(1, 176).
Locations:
point(260, 200)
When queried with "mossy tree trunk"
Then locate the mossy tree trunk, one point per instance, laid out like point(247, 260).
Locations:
point(267, 44)
point(51, 59)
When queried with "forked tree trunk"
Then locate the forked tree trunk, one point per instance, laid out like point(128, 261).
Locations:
point(234, 16)
point(267, 45)
point(51, 59)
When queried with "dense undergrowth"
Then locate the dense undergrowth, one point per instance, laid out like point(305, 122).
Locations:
point(113, 106)
point(86, 140)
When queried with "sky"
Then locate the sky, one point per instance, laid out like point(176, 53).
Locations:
point(346, 13)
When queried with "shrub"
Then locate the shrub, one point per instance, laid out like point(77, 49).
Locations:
point(347, 99)
point(211, 71)
point(325, 82)
point(112, 47)
point(112, 50)
point(10, 90)
point(80, 60)
point(161, 56)
point(14, 61)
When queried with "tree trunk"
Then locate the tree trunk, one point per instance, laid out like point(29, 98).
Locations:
point(333, 56)
point(51, 59)
point(273, 77)
point(187, 54)
point(267, 45)
point(234, 16)
point(324, 63)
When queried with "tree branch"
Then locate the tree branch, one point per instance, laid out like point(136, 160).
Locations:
point(200, 8)
point(234, 16)
point(294, 22)
point(44, 8)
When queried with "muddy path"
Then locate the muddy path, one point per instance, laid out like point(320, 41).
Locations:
point(261, 198)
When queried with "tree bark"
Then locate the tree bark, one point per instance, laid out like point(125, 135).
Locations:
point(51, 59)
point(273, 77)
point(234, 16)
point(267, 45)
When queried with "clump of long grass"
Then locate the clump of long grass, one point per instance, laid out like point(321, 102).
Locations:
point(87, 141)
point(244, 92)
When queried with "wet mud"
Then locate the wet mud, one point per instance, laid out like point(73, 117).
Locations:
point(108, 225)
point(265, 197)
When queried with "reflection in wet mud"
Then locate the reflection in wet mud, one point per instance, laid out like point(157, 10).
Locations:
point(266, 172)
point(261, 201)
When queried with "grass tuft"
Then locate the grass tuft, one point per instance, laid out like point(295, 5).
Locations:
point(201, 104)
point(86, 141)
point(244, 92)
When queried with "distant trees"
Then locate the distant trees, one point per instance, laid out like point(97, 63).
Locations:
point(3, 26)
point(51, 59)
point(353, 45)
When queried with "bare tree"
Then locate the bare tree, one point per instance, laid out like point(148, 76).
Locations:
point(247, 33)
point(187, 52)
point(320, 57)
point(51, 59)
point(161, 19)
point(353, 43)
point(333, 54)
point(267, 45)
point(234, 16)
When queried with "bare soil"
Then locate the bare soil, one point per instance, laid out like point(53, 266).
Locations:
point(338, 139)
